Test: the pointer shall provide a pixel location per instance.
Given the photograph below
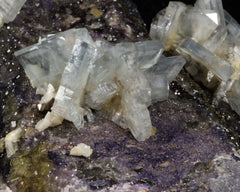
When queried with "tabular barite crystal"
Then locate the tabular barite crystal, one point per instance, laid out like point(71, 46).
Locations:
point(118, 80)
point(9, 10)
point(210, 37)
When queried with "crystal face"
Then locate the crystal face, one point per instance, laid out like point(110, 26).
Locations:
point(118, 80)
point(209, 37)
point(9, 10)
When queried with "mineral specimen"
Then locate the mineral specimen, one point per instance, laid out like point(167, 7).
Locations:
point(210, 36)
point(119, 80)
point(9, 10)
point(81, 150)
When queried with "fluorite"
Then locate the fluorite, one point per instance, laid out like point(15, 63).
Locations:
point(118, 80)
point(209, 37)
point(9, 10)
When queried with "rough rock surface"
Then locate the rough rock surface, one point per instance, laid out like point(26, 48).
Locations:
point(192, 149)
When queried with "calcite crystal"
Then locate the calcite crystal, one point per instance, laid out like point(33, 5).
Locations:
point(81, 150)
point(11, 141)
point(209, 36)
point(9, 10)
point(80, 74)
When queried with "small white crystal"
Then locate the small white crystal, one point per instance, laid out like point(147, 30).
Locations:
point(81, 150)
point(13, 123)
point(47, 98)
point(50, 120)
point(11, 140)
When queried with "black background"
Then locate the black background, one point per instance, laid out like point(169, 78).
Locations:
point(149, 8)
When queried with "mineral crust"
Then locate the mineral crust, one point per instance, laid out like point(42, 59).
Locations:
point(208, 35)
point(9, 10)
point(118, 80)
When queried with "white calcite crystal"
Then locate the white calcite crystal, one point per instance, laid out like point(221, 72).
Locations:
point(11, 141)
point(81, 150)
point(9, 10)
point(210, 37)
point(118, 80)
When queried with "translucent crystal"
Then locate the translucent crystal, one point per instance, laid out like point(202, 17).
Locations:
point(101, 86)
point(120, 81)
point(137, 116)
point(218, 66)
point(159, 86)
point(209, 38)
point(216, 39)
point(120, 67)
point(148, 53)
point(165, 27)
point(69, 97)
point(103, 93)
point(161, 74)
point(196, 24)
point(45, 61)
point(168, 66)
point(215, 5)
point(232, 26)
point(9, 10)
point(179, 21)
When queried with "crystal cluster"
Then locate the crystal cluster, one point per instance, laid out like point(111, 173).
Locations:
point(207, 35)
point(9, 10)
point(80, 74)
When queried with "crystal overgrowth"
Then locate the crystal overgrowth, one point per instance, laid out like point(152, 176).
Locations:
point(208, 35)
point(9, 10)
point(118, 80)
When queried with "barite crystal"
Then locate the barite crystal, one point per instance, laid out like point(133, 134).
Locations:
point(9, 10)
point(209, 37)
point(119, 80)
point(45, 61)
point(218, 66)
